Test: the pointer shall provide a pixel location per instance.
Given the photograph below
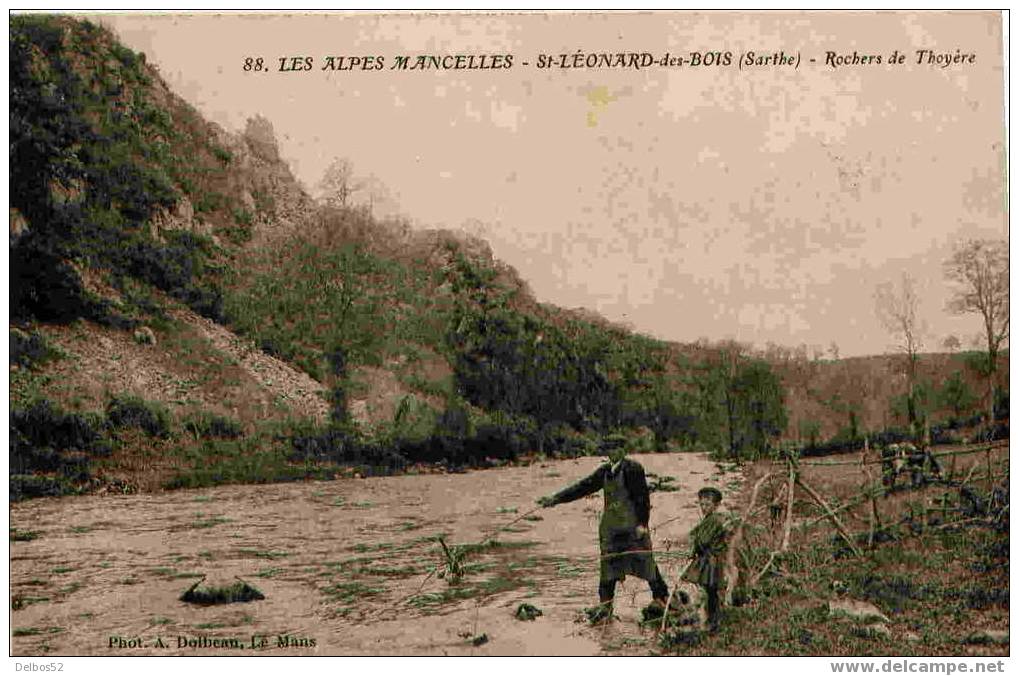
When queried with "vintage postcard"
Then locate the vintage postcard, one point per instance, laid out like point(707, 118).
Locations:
point(510, 333)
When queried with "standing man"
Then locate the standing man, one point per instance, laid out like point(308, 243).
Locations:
point(623, 532)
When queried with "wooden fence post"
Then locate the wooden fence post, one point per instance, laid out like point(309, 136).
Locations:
point(789, 508)
point(831, 515)
point(731, 571)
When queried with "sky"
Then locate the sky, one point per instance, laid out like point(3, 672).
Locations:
point(760, 203)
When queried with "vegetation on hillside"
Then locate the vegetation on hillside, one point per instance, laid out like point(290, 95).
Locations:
point(93, 161)
point(125, 203)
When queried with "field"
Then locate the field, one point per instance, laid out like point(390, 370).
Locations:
point(943, 589)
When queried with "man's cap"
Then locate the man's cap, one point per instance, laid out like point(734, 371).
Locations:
point(710, 491)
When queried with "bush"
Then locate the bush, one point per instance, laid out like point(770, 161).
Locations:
point(502, 437)
point(944, 435)
point(997, 433)
point(44, 425)
point(843, 444)
point(177, 268)
point(44, 440)
point(342, 446)
point(579, 446)
point(413, 420)
point(28, 349)
point(242, 216)
point(131, 411)
point(26, 486)
point(210, 425)
point(956, 423)
point(43, 285)
point(1001, 404)
point(222, 154)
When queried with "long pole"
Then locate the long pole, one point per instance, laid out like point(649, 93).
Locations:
point(672, 592)
point(834, 517)
point(737, 540)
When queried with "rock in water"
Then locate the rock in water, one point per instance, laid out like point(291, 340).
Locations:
point(525, 611)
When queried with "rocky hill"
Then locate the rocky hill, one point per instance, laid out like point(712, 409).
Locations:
point(183, 313)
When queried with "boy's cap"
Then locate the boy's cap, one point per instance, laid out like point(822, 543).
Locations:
point(711, 492)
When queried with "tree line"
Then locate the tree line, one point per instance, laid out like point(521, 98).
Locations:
point(591, 381)
point(977, 271)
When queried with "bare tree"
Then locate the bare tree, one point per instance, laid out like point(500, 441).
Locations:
point(979, 269)
point(338, 183)
point(897, 307)
point(833, 350)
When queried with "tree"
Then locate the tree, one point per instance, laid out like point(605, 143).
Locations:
point(519, 364)
point(833, 350)
point(809, 431)
point(956, 395)
point(660, 407)
point(762, 410)
point(952, 343)
point(897, 307)
point(740, 402)
point(979, 271)
point(338, 183)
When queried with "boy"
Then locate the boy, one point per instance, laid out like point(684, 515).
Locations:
point(623, 532)
point(709, 542)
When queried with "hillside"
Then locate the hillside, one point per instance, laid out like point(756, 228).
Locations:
point(184, 314)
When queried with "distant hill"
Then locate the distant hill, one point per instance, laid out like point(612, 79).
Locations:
point(183, 313)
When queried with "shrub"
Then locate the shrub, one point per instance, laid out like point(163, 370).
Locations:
point(810, 430)
point(26, 486)
point(413, 420)
point(842, 443)
point(210, 425)
point(44, 440)
point(28, 349)
point(455, 421)
point(579, 446)
point(44, 425)
point(502, 438)
point(222, 154)
point(210, 201)
point(1001, 404)
point(956, 394)
point(342, 446)
point(131, 411)
point(242, 216)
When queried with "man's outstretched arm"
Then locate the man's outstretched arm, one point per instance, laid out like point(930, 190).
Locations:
point(586, 486)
